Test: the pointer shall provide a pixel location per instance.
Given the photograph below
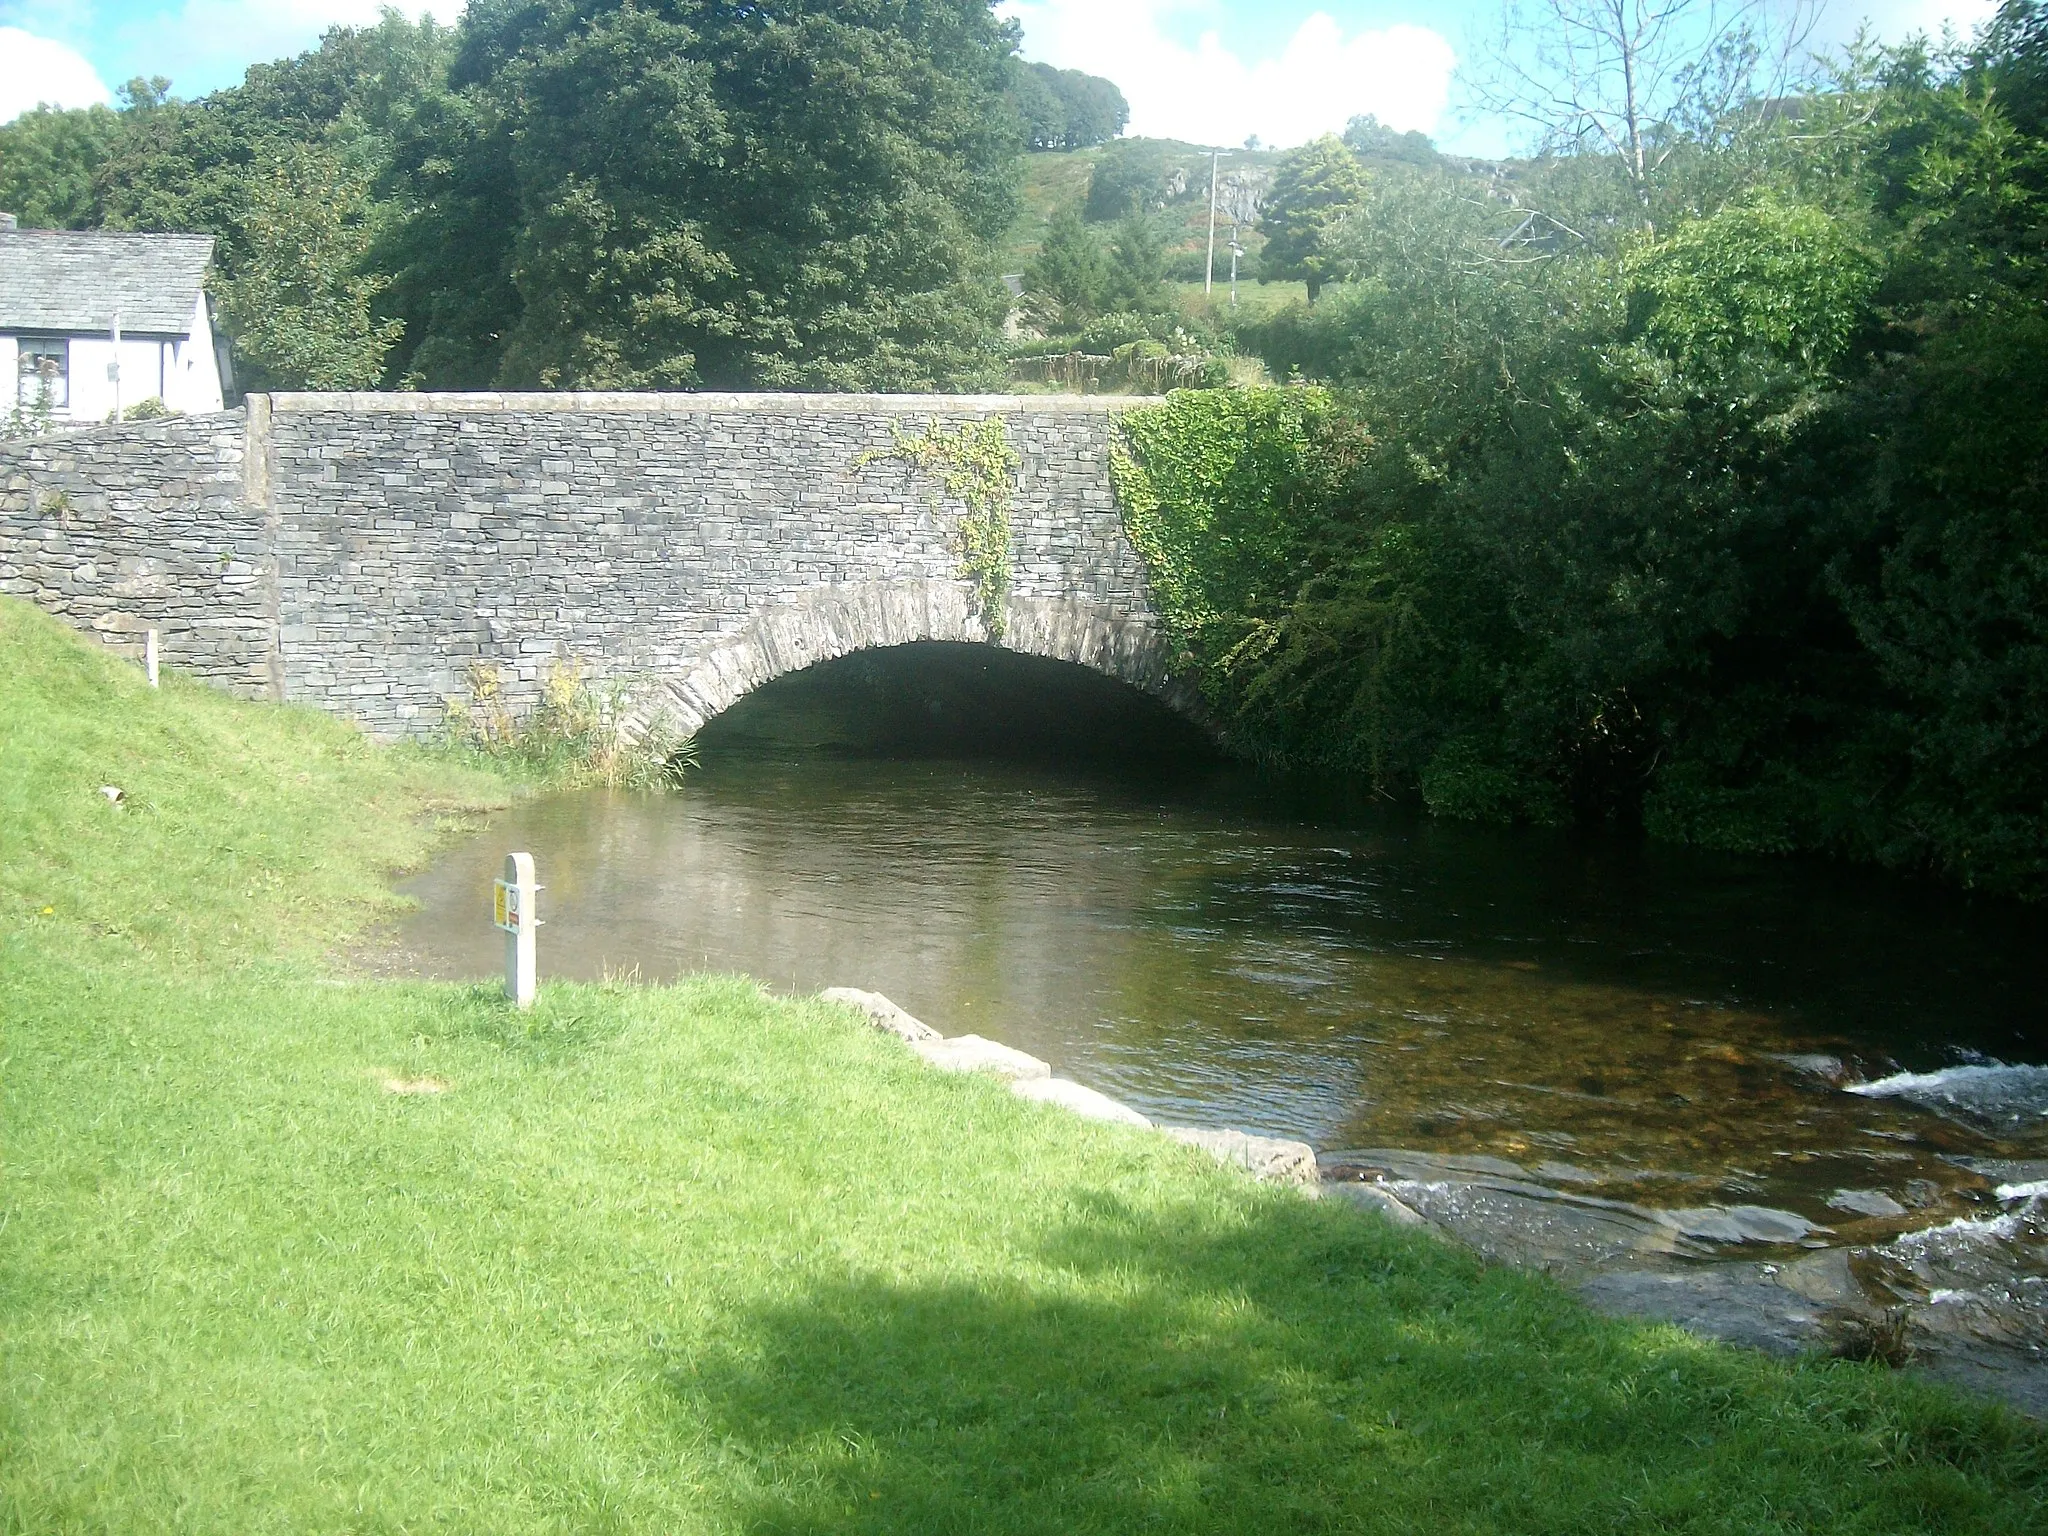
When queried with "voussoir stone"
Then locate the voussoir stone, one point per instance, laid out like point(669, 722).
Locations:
point(971, 1053)
point(881, 1013)
point(1264, 1157)
point(1083, 1101)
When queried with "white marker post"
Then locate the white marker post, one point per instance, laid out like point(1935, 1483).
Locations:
point(516, 909)
point(149, 657)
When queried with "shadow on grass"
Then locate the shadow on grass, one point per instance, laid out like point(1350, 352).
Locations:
point(1286, 1368)
point(564, 1023)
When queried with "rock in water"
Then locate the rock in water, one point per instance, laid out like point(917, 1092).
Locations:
point(1994, 1098)
point(1738, 1224)
point(1085, 1102)
point(880, 1012)
point(1263, 1157)
point(1865, 1202)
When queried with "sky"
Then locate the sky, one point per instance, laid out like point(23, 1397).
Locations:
point(1208, 71)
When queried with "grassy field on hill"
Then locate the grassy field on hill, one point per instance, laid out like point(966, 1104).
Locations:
point(282, 1250)
point(1051, 180)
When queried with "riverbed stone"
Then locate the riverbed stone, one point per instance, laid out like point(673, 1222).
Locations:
point(881, 1013)
point(1739, 1224)
point(1735, 1303)
point(971, 1053)
point(1865, 1202)
point(1083, 1101)
point(1268, 1158)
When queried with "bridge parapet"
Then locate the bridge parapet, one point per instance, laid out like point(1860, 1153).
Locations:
point(362, 552)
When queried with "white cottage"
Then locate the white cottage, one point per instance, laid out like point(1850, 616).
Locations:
point(94, 322)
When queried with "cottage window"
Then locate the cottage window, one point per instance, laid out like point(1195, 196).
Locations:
point(45, 374)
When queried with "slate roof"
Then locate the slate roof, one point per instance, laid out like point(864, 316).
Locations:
point(73, 281)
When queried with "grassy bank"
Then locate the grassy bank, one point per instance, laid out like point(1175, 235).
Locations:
point(285, 1252)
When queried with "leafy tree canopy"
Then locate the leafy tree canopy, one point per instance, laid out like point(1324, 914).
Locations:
point(49, 159)
point(1370, 139)
point(1066, 109)
point(693, 193)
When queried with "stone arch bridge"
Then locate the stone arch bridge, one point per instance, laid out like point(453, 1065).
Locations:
point(362, 552)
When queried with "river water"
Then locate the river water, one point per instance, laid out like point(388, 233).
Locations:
point(1788, 1055)
point(1216, 951)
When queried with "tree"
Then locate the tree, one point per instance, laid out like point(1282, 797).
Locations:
point(300, 307)
point(2011, 56)
point(1314, 189)
point(698, 198)
point(1635, 80)
point(1064, 282)
point(49, 159)
point(1136, 280)
point(1096, 110)
point(1038, 106)
point(1370, 139)
point(1064, 108)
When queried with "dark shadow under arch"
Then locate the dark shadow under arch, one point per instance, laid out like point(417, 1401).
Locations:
point(955, 699)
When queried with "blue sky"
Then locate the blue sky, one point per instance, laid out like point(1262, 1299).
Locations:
point(1213, 71)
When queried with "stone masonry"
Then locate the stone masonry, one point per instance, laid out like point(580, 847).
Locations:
point(361, 552)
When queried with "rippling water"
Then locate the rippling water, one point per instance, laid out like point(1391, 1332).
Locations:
point(1666, 1029)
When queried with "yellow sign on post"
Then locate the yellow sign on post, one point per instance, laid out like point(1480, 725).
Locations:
point(515, 909)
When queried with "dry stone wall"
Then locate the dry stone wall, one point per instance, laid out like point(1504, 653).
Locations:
point(362, 552)
point(147, 525)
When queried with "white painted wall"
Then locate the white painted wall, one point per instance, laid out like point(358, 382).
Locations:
point(184, 372)
point(146, 366)
point(193, 384)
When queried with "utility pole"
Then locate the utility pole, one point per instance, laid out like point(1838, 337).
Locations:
point(114, 368)
point(1209, 273)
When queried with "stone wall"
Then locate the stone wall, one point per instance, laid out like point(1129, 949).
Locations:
point(146, 525)
point(361, 552)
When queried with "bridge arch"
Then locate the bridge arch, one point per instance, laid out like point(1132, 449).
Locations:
point(835, 621)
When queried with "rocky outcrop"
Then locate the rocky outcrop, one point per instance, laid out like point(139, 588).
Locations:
point(881, 1013)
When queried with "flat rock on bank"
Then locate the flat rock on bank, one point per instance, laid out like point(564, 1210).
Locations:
point(881, 1013)
point(1085, 1102)
point(1267, 1158)
point(971, 1053)
point(1263, 1157)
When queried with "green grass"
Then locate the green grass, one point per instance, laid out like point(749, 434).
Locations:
point(690, 1259)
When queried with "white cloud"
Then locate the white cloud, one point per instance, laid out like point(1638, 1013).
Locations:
point(35, 69)
point(1208, 95)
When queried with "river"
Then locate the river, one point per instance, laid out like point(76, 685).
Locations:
point(1835, 1057)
